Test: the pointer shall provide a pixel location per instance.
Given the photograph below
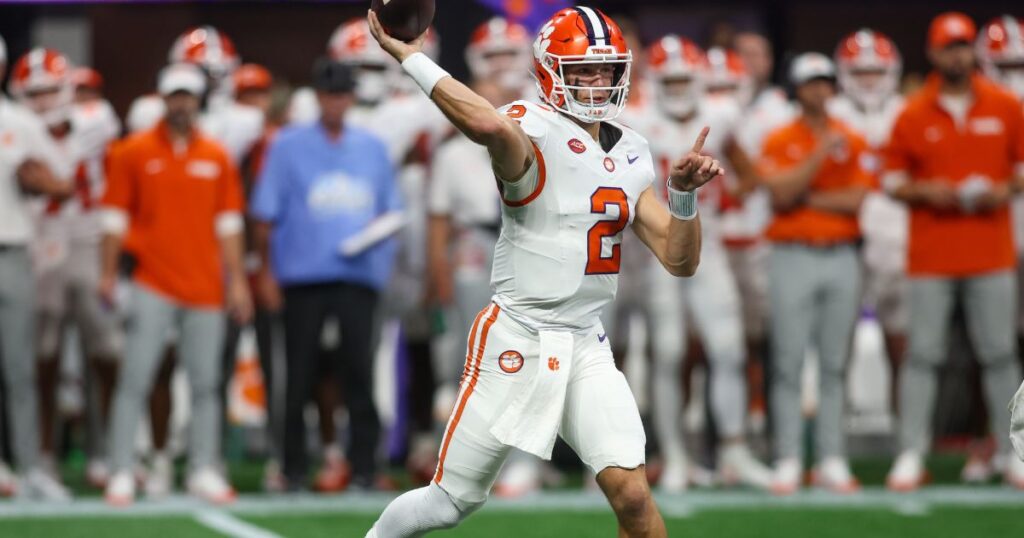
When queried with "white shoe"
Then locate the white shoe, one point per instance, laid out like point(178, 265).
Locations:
point(97, 473)
point(160, 478)
point(120, 489)
point(907, 473)
point(38, 484)
point(786, 476)
point(675, 476)
point(8, 483)
point(977, 470)
point(209, 485)
point(834, 474)
point(1014, 473)
point(520, 477)
point(737, 465)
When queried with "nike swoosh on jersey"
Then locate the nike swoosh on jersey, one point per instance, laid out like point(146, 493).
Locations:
point(632, 158)
point(602, 337)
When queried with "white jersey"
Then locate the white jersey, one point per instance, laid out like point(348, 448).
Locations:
point(23, 136)
point(461, 186)
point(671, 140)
point(884, 221)
point(557, 260)
point(83, 150)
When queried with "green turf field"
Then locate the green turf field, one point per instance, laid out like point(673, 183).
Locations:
point(945, 510)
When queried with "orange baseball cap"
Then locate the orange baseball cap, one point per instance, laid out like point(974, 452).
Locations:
point(951, 27)
point(252, 77)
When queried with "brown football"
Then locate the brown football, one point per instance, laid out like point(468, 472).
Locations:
point(404, 19)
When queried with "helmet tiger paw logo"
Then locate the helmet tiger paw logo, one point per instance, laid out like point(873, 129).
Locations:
point(553, 364)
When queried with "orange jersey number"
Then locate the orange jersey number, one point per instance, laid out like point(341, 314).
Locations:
point(602, 198)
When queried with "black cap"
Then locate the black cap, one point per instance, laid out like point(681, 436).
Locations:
point(332, 76)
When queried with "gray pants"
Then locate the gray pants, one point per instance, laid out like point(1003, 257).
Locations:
point(990, 308)
point(17, 352)
point(200, 342)
point(472, 284)
point(814, 296)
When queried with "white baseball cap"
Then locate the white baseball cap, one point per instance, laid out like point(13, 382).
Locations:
point(809, 66)
point(181, 77)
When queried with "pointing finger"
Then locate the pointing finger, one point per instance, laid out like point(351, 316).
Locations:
point(699, 144)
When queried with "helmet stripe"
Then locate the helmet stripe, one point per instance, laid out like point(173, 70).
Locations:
point(597, 29)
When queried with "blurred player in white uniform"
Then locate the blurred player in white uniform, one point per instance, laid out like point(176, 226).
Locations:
point(1000, 49)
point(869, 68)
point(66, 252)
point(743, 221)
point(679, 70)
point(538, 361)
point(465, 217)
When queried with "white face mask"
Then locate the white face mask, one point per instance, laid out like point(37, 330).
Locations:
point(678, 102)
point(53, 108)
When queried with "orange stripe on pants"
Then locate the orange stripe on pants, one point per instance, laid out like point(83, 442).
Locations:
point(477, 353)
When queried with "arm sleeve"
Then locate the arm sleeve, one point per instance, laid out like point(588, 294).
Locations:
point(266, 203)
point(896, 155)
point(120, 188)
point(520, 191)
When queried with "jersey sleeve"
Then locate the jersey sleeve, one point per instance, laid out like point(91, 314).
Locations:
point(267, 200)
point(119, 193)
point(536, 124)
point(897, 155)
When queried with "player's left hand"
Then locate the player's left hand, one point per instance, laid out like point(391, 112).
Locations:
point(397, 48)
point(695, 169)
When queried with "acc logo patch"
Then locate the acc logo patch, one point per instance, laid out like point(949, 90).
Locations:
point(510, 361)
point(576, 146)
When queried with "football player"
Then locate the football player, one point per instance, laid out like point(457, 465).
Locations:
point(680, 70)
point(538, 362)
point(67, 248)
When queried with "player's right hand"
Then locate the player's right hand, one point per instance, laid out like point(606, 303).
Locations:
point(397, 48)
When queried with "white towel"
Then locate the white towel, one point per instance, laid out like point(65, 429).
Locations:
point(1017, 422)
point(531, 421)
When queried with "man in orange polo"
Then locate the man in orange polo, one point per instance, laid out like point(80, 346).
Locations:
point(955, 157)
point(813, 169)
point(179, 196)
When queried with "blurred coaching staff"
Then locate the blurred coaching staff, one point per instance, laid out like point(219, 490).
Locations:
point(177, 194)
point(814, 170)
point(325, 206)
point(955, 157)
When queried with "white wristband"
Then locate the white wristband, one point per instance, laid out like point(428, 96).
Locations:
point(424, 71)
point(681, 204)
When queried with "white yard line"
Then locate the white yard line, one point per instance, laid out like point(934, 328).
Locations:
point(675, 505)
point(230, 525)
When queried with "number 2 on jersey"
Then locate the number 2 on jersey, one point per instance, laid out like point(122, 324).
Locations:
point(600, 201)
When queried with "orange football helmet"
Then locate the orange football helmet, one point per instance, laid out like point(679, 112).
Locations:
point(376, 72)
point(582, 36)
point(678, 67)
point(868, 67)
point(500, 50)
point(208, 48)
point(41, 80)
point(1000, 47)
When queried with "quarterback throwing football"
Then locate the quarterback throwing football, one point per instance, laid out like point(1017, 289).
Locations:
point(539, 363)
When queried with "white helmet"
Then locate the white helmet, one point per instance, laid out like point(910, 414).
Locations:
point(500, 50)
point(1000, 49)
point(376, 72)
point(41, 80)
point(674, 59)
point(868, 51)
